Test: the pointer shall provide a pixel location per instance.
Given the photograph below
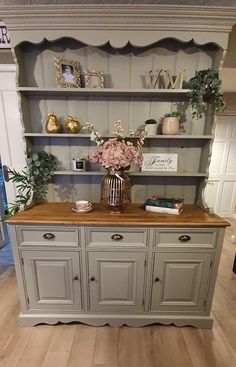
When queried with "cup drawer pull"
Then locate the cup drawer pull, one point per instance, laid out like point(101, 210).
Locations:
point(184, 238)
point(117, 237)
point(49, 236)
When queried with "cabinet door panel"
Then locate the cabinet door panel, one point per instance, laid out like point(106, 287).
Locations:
point(180, 281)
point(116, 281)
point(51, 280)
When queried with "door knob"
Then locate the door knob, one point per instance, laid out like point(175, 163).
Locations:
point(92, 279)
point(157, 279)
point(76, 277)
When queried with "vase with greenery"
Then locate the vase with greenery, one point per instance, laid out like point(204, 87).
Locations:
point(32, 182)
point(151, 126)
point(170, 123)
point(205, 87)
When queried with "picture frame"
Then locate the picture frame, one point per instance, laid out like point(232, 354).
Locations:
point(67, 73)
point(164, 162)
point(94, 79)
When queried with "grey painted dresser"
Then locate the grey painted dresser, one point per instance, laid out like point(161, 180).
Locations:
point(133, 268)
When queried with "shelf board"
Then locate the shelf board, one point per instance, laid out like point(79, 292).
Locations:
point(79, 136)
point(108, 92)
point(132, 173)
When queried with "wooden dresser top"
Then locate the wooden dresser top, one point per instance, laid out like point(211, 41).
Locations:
point(134, 215)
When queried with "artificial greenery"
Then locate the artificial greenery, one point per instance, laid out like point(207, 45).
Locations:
point(33, 180)
point(205, 86)
point(151, 121)
point(172, 114)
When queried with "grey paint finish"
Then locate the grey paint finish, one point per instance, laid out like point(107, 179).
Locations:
point(118, 285)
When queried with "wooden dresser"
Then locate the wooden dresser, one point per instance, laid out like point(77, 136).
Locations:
point(134, 268)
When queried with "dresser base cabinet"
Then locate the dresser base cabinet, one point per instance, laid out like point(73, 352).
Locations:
point(136, 271)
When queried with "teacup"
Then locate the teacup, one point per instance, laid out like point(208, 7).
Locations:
point(82, 205)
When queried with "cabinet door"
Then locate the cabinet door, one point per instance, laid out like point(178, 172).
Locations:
point(52, 279)
point(180, 281)
point(116, 281)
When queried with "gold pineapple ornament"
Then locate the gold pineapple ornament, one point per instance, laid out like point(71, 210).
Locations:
point(72, 125)
point(53, 126)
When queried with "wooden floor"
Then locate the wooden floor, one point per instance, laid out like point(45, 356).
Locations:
point(153, 346)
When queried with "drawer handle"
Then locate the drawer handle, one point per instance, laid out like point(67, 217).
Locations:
point(117, 237)
point(184, 238)
point(49, 236)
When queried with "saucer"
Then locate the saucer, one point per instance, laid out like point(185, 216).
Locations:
point(82, 211)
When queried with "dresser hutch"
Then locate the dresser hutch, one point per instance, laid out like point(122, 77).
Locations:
point(132, 268)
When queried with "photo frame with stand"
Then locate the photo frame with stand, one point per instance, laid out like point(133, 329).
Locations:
point(94, 79)
point(67, 73)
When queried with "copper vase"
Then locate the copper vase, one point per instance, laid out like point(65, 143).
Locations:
point(116, 190)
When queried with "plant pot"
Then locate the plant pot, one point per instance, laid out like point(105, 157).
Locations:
point(170, 126)
point(151, 129)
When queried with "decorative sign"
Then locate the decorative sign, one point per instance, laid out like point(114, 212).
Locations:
point(4, 36)
point(159, 162)
point(170, 81)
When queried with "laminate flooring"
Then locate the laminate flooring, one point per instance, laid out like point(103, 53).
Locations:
point(77, 345)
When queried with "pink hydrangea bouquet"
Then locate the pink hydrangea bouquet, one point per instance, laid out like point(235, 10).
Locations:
point(116, 153)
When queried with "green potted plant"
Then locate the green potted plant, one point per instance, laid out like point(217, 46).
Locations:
point(170, 124)
point(205, 87)
point(151, 126)
point(32, 182)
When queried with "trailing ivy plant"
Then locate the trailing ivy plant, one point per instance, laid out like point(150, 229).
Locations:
point(205, 86)
point(33, 180)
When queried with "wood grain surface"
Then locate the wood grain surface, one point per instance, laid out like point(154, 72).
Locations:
point(62, 213)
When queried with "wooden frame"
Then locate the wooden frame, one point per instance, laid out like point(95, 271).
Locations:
point(67, 73)
point(94, 79)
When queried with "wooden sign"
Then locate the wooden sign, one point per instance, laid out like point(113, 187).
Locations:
point(4, 36)
point(170, 81)
point(159, 162)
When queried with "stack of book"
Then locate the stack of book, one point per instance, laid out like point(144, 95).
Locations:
point(164, 205)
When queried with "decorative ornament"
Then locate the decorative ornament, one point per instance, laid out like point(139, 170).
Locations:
point(53, 126)
point(72, 125)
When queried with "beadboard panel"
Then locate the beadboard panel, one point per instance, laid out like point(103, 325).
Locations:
point(124, 69)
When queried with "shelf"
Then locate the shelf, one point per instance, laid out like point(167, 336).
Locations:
point(146, 174)
point(79, 136)
point(108, 92)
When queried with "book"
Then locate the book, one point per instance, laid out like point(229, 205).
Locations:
point(171, 203)
point(159, 209)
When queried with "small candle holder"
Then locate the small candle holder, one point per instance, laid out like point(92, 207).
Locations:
point(79, 164)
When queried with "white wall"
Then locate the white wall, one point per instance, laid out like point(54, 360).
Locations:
point(11, 143)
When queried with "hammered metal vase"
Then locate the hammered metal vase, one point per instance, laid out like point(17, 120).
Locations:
point(116, 191)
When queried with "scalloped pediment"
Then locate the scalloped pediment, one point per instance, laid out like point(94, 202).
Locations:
point(140, 25)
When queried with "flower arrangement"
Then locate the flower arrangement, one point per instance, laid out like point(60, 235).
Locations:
point(116, 153)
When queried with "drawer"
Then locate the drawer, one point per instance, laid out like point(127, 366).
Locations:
point(117, 236)
point(47, 236)
point(185, 238)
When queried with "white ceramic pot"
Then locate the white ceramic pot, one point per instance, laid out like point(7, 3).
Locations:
point(170, 126)
point(151, 129)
